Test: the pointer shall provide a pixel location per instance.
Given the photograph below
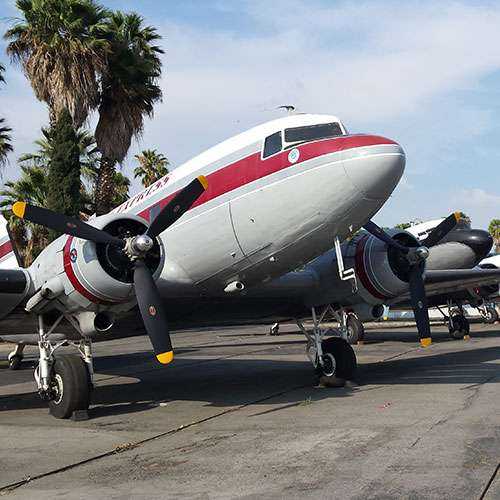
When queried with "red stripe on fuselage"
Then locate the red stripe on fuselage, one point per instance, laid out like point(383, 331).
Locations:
point(70, 273)
point(5, 248)
point(361, 269)
point(253, 167)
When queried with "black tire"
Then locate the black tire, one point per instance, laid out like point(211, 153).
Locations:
point(15, 362)
point(355, 329)
point(345, 358)
point(491, 315)
point(71, 378)
point(459, 326)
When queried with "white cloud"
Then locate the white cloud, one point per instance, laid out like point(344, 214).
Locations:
point(383, 66)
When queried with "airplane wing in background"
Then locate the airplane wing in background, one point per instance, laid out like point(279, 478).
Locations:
point(438, 282)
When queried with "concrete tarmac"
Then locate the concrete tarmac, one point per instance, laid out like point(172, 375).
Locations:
point(239, 415)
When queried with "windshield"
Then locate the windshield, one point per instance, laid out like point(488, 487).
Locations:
point(272, 144)
point(312, 132)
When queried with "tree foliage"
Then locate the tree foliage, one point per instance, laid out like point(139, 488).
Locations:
point(62, 49)
point(494, 230)
point(5, 137)
point(63, 180)
point(152, 166)
point(129, 91)
point(31, 187)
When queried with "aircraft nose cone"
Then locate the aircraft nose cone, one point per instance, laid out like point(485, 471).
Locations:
point(376, 170)
point(479, 241)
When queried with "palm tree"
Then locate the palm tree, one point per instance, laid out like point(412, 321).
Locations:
point(5, 139)
point(494, 229)
point(5, 144)
point(61, 48)
point(121, 185)
point(152, 166)
point(129, 92)
point(89, 155)
point(31, 187)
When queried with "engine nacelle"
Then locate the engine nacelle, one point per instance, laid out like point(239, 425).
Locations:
point(382, 273)
point(88, 277)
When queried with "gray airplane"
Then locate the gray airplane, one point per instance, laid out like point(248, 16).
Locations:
point(211, 243)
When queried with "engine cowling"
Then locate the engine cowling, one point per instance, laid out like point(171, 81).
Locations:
point(382, 272)
point(88, 276)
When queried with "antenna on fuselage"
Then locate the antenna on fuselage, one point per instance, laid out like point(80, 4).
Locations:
point(288, 108)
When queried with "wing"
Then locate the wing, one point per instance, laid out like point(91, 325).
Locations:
point(441, 282)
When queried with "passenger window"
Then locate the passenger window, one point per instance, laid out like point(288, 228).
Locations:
point(272, 144)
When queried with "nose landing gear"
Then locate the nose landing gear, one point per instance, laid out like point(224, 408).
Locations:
point(333, 358)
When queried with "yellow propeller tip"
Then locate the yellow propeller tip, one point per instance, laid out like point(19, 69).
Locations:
point(19, 208)
point(203, 181)
point(426, 342)
point(165, 357)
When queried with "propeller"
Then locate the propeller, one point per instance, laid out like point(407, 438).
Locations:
point(136, 248)
point(415, 259)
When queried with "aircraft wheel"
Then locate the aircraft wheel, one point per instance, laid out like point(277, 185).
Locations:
point(355, 329)
point(274, 330)
point(15, 361)
point(70, 387)
point(339, 361)
point(459, 327)
point(491, 315)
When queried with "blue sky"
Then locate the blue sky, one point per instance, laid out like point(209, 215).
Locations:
point(428, 77)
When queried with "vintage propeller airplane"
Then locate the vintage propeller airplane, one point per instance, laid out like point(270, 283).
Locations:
point(380, 273)
point(240, 214)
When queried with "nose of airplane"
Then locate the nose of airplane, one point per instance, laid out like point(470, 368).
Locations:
point(478, 240)
point(375, 170)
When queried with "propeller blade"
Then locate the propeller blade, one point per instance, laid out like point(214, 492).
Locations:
point(152, 312)
point(179, 205)
point(419, 303)
point(441, 230)
point(379, 233)
point(63, 224)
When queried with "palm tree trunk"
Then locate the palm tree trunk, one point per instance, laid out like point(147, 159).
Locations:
point(104, 188)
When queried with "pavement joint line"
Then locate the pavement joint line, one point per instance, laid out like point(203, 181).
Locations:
point(129, 446)
point(490, 482)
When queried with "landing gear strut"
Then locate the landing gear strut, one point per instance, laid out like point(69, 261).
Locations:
point(65, 381)
point(16, 357)
point(333, 358)
point(458, 324)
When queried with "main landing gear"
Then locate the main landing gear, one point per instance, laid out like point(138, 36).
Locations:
point(65, 381)
point(489, 313)
point(458, 324)
point(333, 358)
point(16, 357)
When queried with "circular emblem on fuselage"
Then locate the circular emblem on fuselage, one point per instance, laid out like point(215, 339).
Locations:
point(293, 155)
point(73, 255)
point(152, 310)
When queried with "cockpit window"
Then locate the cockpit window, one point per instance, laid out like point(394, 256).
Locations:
point(272, 144)
point(312, 132)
